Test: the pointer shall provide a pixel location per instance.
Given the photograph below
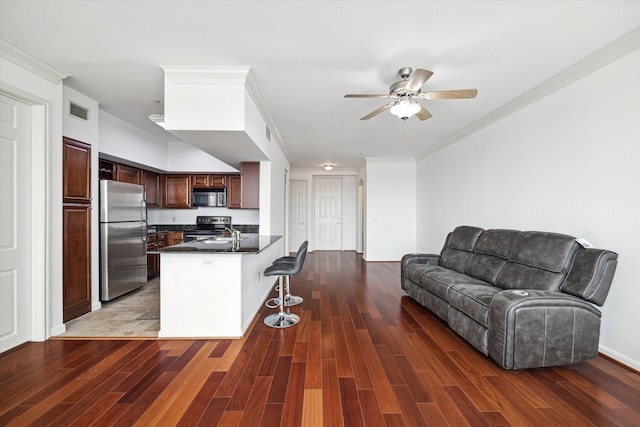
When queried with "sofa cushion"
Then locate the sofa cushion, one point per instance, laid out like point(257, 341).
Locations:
point(473, 300)
point(460, 244)
point(484, 267)
point(495, 242)
point(437, 279)
point(464, 238)
point(518, 276)
point(548, 251)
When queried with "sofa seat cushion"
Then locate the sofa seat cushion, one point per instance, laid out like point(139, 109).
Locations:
point(438, 280)
point(473, 300)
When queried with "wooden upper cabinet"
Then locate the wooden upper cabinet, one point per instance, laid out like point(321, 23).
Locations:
point(152, 188)
point(177, 191)
point(208, 181)
point(234, 192)
point(106, 169)
point(243, 191)
point(76, 167)
point(250, 173)
point(128, 174)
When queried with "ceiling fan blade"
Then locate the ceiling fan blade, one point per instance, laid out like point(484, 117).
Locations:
point(378, 111)
point(418, 78)
point(449, 94)
point(423, 114)
point(352, 95)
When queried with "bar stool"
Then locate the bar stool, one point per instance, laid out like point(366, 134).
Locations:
point(290, 300)
point(282, 319)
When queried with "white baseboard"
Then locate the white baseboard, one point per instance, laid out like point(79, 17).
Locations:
point(620, 357)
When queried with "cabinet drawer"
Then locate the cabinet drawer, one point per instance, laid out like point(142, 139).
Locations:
point(174, 235)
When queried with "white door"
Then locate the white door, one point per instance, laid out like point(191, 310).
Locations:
point(15, 223)
point(328, 214)
point(297, 214)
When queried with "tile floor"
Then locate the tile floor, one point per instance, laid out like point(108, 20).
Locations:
point(134, 315)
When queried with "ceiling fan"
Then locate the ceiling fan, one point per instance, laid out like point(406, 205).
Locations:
point(405, 93)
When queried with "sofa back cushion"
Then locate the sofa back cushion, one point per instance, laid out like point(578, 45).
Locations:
point(537, 260)
point(459, 247)
point(490, 254)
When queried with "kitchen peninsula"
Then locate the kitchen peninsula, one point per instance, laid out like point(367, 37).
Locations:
point(213, 287)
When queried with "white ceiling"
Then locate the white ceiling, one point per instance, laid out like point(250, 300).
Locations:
point(306, 55)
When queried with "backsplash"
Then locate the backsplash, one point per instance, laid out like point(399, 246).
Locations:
point(188, 216)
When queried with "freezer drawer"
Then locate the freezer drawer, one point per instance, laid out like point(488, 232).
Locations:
point(123, 258)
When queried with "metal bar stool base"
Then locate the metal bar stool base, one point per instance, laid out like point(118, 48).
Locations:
point(289, 301)
point(281, 320)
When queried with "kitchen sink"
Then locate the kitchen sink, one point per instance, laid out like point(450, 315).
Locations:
point(219, 239)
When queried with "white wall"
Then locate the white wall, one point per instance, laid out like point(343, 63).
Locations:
point(88, 132)
point(182, 156)
point(123, 140)
point(349, 203)
point(569, 163)
point(390, 198)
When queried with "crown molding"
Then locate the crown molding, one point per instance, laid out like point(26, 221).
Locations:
point(16, 55)
point(206, 75)
point(606, 55)
point(389, 160)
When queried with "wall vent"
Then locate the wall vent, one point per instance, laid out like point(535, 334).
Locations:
point(267, 132)
point(78, 111)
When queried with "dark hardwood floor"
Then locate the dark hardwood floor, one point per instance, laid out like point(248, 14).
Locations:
point(362, 355)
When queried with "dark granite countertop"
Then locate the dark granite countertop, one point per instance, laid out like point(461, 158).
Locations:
point(249, 243)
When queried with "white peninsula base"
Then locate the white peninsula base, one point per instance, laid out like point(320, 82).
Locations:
point(213, 295)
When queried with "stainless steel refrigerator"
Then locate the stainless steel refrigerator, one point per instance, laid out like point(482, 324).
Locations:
point(123, 238)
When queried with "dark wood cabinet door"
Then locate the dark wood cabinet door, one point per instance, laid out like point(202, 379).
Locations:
point(234, 192)
point(177, 193)
point(200, 181)
point(218, 181)
point(76, 170)
point(208, 181)
point(250, 173)
point(128, 174)
point(152, 189)
point(77, 261)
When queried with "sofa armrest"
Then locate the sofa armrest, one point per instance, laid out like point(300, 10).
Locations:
point(535, 328)
point(591, 275)
point(431, 259)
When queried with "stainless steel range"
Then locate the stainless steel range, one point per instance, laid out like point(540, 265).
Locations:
point(208, 226)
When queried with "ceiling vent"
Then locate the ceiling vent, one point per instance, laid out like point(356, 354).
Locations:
point(78, 111)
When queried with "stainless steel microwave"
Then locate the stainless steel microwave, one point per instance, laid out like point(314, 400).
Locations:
point(208, 197)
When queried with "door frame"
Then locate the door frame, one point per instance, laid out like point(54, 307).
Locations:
point(41, 211)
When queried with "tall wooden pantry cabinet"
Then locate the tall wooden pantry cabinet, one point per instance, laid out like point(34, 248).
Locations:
point(76, 229)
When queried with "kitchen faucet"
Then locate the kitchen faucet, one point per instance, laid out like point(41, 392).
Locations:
point(235, 234)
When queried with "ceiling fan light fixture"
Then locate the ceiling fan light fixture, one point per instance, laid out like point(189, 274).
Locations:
point(405, 109)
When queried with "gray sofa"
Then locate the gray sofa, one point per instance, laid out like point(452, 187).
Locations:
point(525, 298)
